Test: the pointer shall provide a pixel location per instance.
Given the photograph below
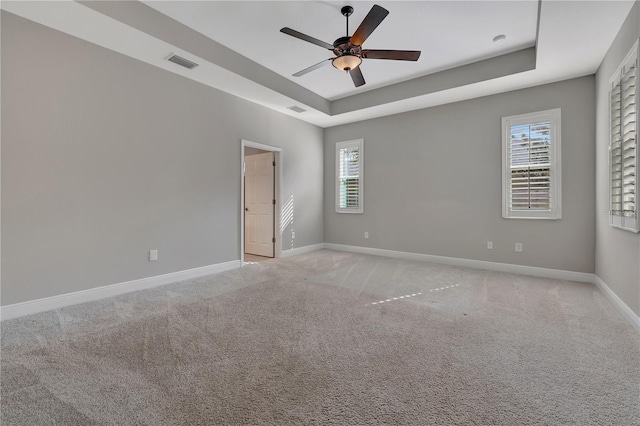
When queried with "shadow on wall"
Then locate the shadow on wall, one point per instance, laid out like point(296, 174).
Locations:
point(286, 219)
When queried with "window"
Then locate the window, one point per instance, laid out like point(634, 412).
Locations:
point(349, 172)
point(623, 161)
point(531, 178)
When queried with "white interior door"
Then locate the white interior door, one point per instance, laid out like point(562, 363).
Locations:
point(258, 204)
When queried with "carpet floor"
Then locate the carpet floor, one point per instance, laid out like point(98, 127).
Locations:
point(329, 338)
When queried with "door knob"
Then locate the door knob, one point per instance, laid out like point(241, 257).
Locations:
point(246, 209)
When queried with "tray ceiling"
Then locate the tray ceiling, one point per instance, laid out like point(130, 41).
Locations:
point(240, 50)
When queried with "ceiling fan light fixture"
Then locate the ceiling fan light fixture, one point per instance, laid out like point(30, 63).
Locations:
point(346, 62)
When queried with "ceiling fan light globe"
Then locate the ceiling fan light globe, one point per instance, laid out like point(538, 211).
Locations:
point(346, 62)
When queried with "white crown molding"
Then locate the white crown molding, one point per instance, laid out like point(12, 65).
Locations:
point(60, 301)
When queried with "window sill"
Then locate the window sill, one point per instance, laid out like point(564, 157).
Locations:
point(350, 211)
point(548, 217)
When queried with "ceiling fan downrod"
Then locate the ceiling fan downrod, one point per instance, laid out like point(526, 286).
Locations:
point(346, 12)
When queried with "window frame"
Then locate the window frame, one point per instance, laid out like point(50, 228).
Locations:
point(555, 165)
point(626, 223)
point(356, 143)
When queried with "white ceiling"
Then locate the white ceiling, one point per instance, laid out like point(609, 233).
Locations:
point(449, 33)
point(572, 39)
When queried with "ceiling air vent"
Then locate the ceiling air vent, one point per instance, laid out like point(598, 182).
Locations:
point(181, 61)
point(296, 108)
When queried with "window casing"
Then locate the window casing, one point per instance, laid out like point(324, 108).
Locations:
point(623, 145)
point(349, 176)
point(531, 166)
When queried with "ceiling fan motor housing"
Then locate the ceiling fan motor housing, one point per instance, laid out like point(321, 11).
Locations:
point(343, 46)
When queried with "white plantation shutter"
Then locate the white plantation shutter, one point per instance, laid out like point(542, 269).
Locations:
point(531, 168)
point(624, 144)
point(349, 178)
point(616, 151)
point(349, 184)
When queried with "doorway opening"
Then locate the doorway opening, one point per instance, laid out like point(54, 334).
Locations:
point(261, 174)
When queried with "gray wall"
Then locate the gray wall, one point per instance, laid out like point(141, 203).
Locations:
point(433, 181)
point(105, 157)
point(617, 251)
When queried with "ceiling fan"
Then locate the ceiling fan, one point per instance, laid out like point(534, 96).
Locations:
point(348, 50)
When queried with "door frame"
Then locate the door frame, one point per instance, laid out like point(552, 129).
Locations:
point(278, 155)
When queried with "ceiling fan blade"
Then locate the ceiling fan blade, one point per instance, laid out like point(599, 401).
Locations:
point(312, 67)
point(375, 16)
point(398, 55)
point(305, 37)
point(357, 77)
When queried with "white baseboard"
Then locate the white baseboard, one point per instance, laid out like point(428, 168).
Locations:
point(469, 263)
point(618, 303)
point(55, 302)
point(302, 250)
point(502, 267)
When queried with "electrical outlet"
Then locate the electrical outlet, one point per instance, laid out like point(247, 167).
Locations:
point(519, 247)
point(490, 245)
point(153, 255)
point(366, 234)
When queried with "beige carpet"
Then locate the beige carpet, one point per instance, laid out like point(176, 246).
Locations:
point(329, 338)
